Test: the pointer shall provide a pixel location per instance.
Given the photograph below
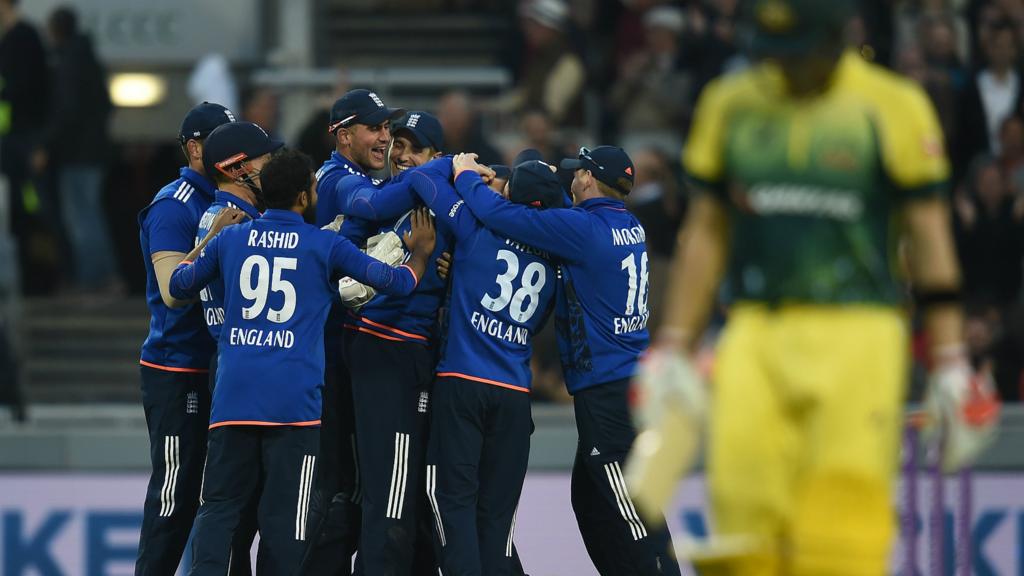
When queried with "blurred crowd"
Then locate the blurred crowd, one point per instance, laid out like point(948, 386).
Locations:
point(614, 71)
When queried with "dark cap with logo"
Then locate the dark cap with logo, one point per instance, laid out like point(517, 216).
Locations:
point(202, 120)
point(534, 183)
point(794, 27)
point(236, 142)
point(425, 129)
point(609, 164)
point(360, 106)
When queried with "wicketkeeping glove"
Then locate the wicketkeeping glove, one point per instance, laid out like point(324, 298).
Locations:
point(335, 225)
point(387, 248)
point(963, 408)
point(670, 403)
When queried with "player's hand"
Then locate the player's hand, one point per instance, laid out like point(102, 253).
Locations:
point(225, 218)
point(669, 404)
point(444, 265)
point(335, 225)
point(963, 407)
point(464, 162)
point(421, 238)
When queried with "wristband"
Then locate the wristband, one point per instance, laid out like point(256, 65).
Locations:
point(929, 298)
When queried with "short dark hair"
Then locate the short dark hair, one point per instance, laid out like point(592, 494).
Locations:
point(288, 173)
point(64, 22)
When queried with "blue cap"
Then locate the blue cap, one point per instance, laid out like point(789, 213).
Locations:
point(501, 171)
point(425, 129)
point(202, 120)
point(360, 106)
point(609, 164)
point(534, 183)
point(236, 142)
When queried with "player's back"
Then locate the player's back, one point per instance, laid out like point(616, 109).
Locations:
point(277, 292)
point(602, 313)
point(812, 184)
point(501, 295)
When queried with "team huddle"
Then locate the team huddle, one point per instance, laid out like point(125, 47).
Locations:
point(361, 386)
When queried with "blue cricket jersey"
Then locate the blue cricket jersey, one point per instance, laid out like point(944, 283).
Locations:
point(331, 198)
point(212, 297)
point(501, 294)
point(410, 318)
point(601, 305)
point(277, 273)
point(178, 340)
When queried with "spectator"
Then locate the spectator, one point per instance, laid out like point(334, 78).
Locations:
point(261, 107)
point(937, 37)
point(462, 130)
point(314, 139)
point(993, 94)
point(1011, 142)
point(989, 231)
point(650, 94)
point(710, 44)
point(211, 81)
point(540, 136)
point(76, 140)
point(24, 98)
point(553, 75)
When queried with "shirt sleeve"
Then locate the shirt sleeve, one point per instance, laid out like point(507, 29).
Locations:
point(703, 156)
point(564, 233)
point(364, 200)
point(347, 260)
point(448, 208)
point(170, 227)
point(189, 278)
point(357, 230)
point(913, 149)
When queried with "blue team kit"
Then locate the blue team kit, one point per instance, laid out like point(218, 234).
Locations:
point(277, 273)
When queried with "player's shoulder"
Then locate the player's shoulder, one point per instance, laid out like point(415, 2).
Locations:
point(736, 87)
point(885, 89)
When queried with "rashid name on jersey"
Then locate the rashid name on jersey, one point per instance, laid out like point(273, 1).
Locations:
point(278, 275)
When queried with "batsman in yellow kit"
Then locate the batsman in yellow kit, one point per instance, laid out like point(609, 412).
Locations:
point(810, 168)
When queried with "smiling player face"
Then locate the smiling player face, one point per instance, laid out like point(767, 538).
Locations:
point(406, 154)
point(370, 144)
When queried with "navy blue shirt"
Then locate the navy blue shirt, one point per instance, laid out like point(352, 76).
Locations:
point(212, 297)
point(277, 272)
point(502, 292)
point(601, 305)
point(178, 340)
point(331, 198)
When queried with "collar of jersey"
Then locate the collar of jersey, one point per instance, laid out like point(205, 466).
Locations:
point(281, 215)
point(228, 198)
point(346, 164)
point(595, 203)
point(198, 180)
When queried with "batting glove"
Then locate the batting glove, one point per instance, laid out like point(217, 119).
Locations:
point(670, 402)
point(963, 410)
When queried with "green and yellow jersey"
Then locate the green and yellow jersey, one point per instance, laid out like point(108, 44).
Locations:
point(812, 184)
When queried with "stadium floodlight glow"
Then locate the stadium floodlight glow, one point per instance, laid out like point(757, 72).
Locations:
point(137, 89)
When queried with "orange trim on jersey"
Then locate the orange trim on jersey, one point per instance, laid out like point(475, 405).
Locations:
point(416, 279)
point(261, 423)
point(184, 263)
point(395, 330)
point(373, 333)
point(174, 369)
point(484, 380)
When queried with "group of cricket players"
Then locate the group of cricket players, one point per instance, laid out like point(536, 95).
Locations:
point(341, 364)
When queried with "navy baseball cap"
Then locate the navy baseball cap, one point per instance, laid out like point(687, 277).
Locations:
point(534, 183)
point(425, 129)
point(202, 120)
point(501, 171)
point(609, 164)
point(360, 106)
point(236, 142)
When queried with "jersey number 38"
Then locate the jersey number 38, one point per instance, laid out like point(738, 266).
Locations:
point(523, 302)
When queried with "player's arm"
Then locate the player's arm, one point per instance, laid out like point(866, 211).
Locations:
point(433, 187)
point(191, 276)
point(364, 200)
point(348, 260)
point(561, 232)
point(171, 235)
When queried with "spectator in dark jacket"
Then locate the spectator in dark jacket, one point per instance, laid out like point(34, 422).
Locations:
point(75, 139)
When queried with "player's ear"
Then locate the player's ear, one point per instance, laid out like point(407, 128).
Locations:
point(195, 150)
point(437, 154)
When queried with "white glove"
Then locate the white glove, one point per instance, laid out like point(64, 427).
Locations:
point(386, 247)
point(353, 294)
point(335, 225)
point(963, 407)
point(670, 404)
